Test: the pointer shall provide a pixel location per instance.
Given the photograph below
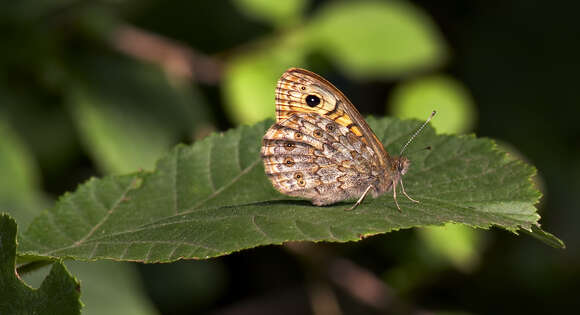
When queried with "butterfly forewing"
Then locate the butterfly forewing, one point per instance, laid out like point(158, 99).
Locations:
point(320, 147)
point(296, 85)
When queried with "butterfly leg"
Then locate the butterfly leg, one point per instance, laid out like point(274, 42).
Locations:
point(360, 200)
point(405, 193)
point(395, 196)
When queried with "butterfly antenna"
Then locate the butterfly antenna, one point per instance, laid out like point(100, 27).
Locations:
point(418, 131)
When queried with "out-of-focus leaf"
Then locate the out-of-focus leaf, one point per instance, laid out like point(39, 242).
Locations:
point(457, 244)
point(29, 10)
point(371, 38)
point(58, 293)
point(451, 99)
point(213, 198)
point(452, 313)
point(128, 114)
point(278, 13)
point(187, 285)
point(19, 188)
point(116, 283)
point(44, 127)
point(250, 81)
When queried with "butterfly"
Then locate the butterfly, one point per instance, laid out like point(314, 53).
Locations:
point(320, 147)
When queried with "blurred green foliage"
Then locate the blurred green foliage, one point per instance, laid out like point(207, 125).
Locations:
point(280, 14)
point(20, 187)
point(367, 39)
point(93, 88)
point(417, 98)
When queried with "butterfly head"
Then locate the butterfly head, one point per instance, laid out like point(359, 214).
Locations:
point(394, 174)
point(402, 165)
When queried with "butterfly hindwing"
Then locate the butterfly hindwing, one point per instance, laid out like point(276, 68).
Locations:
point(303, 158)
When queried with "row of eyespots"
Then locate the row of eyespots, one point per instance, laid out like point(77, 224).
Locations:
point(299, 177)
point(317, 133)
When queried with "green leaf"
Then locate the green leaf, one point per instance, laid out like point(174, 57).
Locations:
point(370, 38)
point(20, 193)
point(451, 99)
point(128, 114)
point(116, 283)
point(186, 284)
point(278, 13)
point(213, 198)
point(250, 80)
point(545, 237)
point(58, 294)
point(454, 244)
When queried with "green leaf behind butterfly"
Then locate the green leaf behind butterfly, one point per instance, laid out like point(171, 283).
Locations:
point(278, 13)
point(213, 198)
point(128, 113)
point(377, 38)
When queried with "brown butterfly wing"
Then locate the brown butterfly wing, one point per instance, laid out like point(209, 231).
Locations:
point(308, 155)
point(320, 147)
point(297, 84)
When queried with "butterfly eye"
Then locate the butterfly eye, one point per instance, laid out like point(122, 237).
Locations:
point(312, 100)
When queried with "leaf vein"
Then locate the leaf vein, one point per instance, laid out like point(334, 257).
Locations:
point(300, 229)
point(92, 254)
point(81, 214)
point(258, 228)
point(225, 186)
point(107, 215)
point(175, 170)
point(209, 172)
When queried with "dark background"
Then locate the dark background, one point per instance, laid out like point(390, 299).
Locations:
point(519, 59)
